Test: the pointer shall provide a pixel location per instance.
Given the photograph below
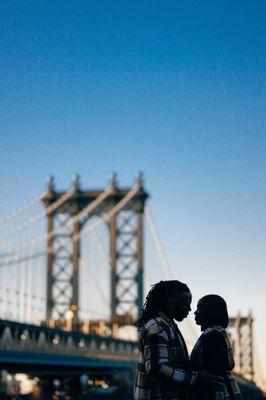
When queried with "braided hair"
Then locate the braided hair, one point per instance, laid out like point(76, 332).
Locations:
point(156, 297)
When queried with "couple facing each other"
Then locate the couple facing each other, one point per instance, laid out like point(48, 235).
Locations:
point(164, 370)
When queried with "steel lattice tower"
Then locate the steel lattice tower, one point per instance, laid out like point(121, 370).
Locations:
point(125, 229)
point(241, 335)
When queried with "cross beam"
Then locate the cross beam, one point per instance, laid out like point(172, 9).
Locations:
point(125, 229)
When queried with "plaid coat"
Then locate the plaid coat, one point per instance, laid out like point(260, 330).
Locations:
point(162, 371)
point(213, 352)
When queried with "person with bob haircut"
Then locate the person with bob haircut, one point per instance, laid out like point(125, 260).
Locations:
point(213, 351)
point(163, 365)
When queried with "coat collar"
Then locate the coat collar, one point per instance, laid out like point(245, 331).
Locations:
point(164, 316)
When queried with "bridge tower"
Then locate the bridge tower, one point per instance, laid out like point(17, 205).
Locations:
point(241, 335)
point(125, 230)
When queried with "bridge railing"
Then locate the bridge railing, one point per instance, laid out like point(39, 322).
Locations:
point(23, 337)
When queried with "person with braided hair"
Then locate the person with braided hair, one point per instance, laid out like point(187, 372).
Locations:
point(163, 366)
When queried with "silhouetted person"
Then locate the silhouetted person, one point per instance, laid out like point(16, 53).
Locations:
point(163, 365)
point(213, 351)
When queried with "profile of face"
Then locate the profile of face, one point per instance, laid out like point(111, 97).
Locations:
point(178, 305)
point(211, 310)
point(199, 313)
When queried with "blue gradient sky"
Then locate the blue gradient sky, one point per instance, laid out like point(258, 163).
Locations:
point(174, 88)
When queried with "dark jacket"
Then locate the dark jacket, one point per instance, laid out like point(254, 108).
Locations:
point(213, 352)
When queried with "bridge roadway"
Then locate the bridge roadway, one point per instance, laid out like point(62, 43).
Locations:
point(50, 353)
point(40, 350)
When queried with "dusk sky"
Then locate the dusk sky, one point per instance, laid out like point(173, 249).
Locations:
point(174, 88)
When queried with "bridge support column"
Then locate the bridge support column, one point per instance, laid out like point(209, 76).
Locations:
point(75, 283)
point(63, 252)
point(241, 335)
point(126, 255)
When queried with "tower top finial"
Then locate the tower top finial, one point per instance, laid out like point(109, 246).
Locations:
point(113, 178)
point(139, 177)
point(50, 183)
point(76, 181)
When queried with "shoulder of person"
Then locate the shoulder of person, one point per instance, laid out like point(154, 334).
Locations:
point(214, 335)
point(154, 326)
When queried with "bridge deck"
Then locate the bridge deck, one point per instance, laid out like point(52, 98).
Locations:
point(29, 348)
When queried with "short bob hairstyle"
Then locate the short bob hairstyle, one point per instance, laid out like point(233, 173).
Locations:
point(213, 311)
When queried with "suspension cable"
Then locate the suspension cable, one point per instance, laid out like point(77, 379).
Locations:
point(17, 229)
point(90, 227)
point(162, 255)
point(43, 238)
point(23, 258)
point(158, 244)
point(90, 275)
point(101, 248)
point(21, 210)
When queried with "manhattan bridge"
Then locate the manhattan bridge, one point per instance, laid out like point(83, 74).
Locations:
point(72, 283)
